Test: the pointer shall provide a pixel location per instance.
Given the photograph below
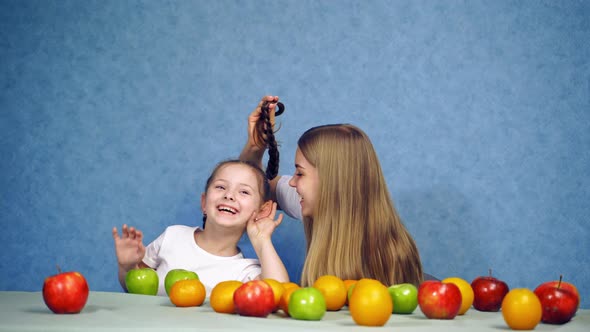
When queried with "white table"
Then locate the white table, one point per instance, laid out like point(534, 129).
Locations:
point(26, 311)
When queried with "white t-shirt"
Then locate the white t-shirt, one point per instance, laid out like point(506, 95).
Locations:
point(176, 248)
point(288, 198)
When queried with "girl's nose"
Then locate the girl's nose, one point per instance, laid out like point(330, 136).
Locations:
point(228, 196)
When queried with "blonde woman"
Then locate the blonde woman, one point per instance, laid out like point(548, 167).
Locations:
point(338, 190)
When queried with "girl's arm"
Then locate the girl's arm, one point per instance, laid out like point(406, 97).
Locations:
point(130, 251)
point(260, 231)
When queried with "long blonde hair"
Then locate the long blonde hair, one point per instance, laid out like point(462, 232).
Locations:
point(355, 231)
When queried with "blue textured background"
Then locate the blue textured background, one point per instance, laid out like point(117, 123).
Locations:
point(115, 112)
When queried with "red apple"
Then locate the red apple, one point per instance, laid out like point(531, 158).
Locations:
point(439, 300)
point(488, 293)
point(563, 285)
point(65, 293)
point(254, 298)
point(558, 301)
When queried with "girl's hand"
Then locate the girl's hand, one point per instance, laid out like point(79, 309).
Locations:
point(260, 228)
point(129, 247)
point(253, 119)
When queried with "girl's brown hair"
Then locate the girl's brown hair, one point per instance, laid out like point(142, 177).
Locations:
point(355, 231)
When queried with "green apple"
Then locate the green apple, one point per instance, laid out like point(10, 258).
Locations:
point(307, 303)
point(176, 275)
point(404, 298)
point(142, 281)
point(349, 294)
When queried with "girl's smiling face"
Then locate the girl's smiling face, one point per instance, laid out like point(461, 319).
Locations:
point(233, 195)
point(306, 181)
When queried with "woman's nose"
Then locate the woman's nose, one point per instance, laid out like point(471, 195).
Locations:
point(292, 182)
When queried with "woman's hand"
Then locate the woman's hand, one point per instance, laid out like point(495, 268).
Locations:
point(253, 137)
point(129, 247)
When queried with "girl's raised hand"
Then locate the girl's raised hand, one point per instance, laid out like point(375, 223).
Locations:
point(129, 246)
point(260, 228)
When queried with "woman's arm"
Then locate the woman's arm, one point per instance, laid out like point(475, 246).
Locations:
point(253, 151)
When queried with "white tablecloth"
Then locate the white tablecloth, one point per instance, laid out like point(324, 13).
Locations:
point(26, 311)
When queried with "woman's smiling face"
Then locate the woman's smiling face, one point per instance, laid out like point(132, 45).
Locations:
point(306, 181)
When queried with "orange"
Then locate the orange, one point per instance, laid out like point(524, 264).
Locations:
point(466, 293)
point(277, 288)
point(370, 303)
point(222, 296)
point(348, 283)
point(334, 291)
point(284, 302)
point(521, 309)
point(187, 293)
point(290, 284)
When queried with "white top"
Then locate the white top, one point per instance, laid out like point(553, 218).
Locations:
point(176, 248)
point(288, 198)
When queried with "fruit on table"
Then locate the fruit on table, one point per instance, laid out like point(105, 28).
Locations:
point(254, 298)
point(439, 300)
point(349, 283)
point(370, 303)
point(277, 289)
point(488, 293)
point(466, 293)
point(65, 292)
point(562, 284)
point(521, 309)
point(187, 293)
point(307, 303)
point(175, 275)
point(559, 301)
point(404, 298)
point(222, 296)
point(286, 297)
point(334, 291)
point(142, 281)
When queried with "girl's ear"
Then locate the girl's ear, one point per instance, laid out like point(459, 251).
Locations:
point(265, 209)
point(203, 198)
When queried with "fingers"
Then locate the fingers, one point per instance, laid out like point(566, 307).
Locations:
point(128, 233)
point(124, 231)
point(273, 209)
point(138, 235)
point(252, 220)
point(279, 220)
point(272, 99)
point(132, 233)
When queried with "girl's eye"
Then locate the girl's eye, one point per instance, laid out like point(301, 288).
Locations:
point(244, 192)
point(219, 187)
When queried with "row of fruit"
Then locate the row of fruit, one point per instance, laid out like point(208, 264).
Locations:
point(369, 301)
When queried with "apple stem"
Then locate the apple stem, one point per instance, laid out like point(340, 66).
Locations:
point(559, 283)
point(490, 271)
point(58, 268)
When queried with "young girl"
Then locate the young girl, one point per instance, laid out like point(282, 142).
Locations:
point(339, 192)
point(236, 199)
